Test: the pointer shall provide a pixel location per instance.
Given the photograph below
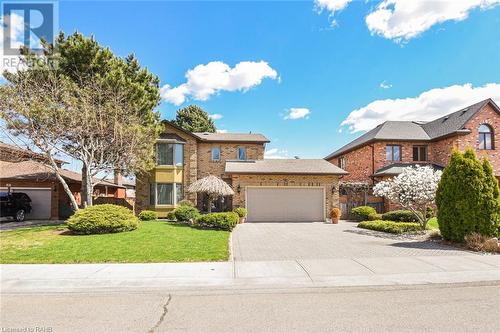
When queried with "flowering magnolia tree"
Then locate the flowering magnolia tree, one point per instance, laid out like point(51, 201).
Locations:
point(414, 189)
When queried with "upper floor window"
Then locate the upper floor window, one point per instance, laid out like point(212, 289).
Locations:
point(168, 153)
point(342, 162)
point(393, 153)
point(485, 137)
point(419, 153)
point(215, 153)
point(242, 153)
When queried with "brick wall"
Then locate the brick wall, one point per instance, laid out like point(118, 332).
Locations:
point(358, 163)
point(329, 182)
point(486, 116)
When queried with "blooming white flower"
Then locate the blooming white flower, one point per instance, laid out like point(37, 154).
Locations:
point(414, 189)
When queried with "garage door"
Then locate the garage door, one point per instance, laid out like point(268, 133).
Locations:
point(40, 202)
point(285, 204)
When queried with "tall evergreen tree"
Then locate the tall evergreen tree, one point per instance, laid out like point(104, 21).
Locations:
point(194, 119)
point(466, 198)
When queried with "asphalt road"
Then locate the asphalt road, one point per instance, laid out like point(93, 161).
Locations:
point(437, 308)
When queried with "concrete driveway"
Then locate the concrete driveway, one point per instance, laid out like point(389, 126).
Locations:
point(291, 241)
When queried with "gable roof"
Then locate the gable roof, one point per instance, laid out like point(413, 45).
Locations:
point(231, 137)
point(24, 153)
point(284, 166)
point(417, 131)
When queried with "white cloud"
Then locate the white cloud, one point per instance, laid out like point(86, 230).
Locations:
point(215, 116)
point(221, 131)
point(204, 81)
point(11, 63)
point(276, 153)
point(331, 6)
point(385, 85)
point(297, 113)
point(427, 106)
point(401, 20)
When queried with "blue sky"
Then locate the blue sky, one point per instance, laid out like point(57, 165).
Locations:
point(328, 62)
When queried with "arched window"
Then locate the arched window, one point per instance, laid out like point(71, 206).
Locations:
point(485, 137)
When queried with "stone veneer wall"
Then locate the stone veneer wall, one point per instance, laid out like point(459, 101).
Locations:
point(330, 182)
point(229, 151)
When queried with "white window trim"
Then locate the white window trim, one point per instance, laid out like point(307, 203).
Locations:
point(238, 153)
point(173, 153)
point(156, 204)
point(212, 154)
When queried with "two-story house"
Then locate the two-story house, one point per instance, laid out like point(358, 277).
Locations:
point(383, 151)
point(271, 190)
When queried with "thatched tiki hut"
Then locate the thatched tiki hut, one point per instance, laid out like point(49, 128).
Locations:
point(213, 186)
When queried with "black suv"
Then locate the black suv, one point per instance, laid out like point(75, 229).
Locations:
point(15, 205)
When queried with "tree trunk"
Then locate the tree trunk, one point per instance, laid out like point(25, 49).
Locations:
point(86, 188)
point(65, 186)
point(209, 198)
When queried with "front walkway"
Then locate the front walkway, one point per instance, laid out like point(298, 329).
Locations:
point(290, 241)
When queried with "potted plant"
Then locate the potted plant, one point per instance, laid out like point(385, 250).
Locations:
point(335, 215)
point(242, 213)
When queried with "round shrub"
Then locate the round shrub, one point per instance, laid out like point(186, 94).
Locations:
point(241, 211)
point(223, 221)
point(171, 215)
point(186, 213)
point(400, 216)
point(102, 219)
point(362, 213)
point(148, 215)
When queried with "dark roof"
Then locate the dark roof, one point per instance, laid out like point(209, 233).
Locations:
point(284, 166)
point(417, 131)
point(23, 153)
point(397, 168)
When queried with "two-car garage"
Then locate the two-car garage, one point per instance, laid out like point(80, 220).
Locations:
point(285, 204)
point(287, 190)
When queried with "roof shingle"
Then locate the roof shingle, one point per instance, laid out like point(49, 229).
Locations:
point(284, 166)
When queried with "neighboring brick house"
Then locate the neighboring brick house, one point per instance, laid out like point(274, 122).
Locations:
point(383, 151)
point(26, 171)
point(272, 190)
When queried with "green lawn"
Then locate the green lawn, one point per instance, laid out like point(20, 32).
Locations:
point(433, 224)
point(151, 242)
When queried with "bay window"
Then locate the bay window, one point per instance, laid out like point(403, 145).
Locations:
point(168, 153)
point(165, 194)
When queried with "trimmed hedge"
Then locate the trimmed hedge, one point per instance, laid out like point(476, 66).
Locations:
point(390, 226)
point(186, 213)
point(399, 216)
point(374, 217)
point(362, 213)
point(171, 215)
point(186, 203)
point(242, 212)
point(148, 215)
point(102, 219)
point(223, 221)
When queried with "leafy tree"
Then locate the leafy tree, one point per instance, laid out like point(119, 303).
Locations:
point(414, 189)
point(94, 107)
point(467, 198)
point(194, 119)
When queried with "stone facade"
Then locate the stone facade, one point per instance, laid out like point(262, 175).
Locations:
point(330, 183)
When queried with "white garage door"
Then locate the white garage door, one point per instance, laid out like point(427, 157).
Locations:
point(285, 204)
point(40, 201)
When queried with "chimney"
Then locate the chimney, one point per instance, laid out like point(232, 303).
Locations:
point(117, 177)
